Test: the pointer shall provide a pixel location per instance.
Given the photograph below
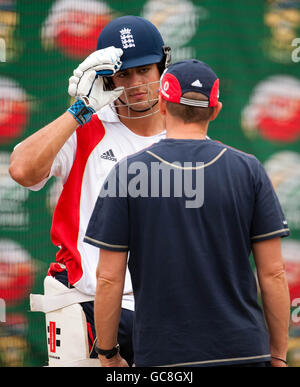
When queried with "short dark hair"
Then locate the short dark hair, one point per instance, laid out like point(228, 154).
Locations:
point(190, 114)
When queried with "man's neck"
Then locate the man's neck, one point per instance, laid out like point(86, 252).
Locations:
point(194, 131)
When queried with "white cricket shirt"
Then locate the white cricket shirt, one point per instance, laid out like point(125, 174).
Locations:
point(84, 163)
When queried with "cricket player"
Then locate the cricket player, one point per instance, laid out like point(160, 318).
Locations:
point(116, 113)
point(190, 211)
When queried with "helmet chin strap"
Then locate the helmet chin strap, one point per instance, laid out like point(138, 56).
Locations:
point(138, 111)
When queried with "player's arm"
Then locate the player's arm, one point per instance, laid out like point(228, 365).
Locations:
point(107, 307)
point(275, 295)
point(31, 160)
point(112, 238)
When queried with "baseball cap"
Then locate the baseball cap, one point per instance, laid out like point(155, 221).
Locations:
point(140, 40)
point(189, 75)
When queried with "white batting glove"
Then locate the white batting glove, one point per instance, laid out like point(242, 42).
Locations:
point(87, 83)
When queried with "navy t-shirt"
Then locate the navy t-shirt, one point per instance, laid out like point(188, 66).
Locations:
point(195, 291)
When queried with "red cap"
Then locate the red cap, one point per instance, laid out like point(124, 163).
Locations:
point(190, 75)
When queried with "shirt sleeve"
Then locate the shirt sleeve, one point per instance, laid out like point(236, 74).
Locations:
point(62, 163)
point(268, 218)
point(108, 227)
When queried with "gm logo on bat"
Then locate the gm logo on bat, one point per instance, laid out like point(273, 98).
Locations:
point(296, 52)
point(2, 310)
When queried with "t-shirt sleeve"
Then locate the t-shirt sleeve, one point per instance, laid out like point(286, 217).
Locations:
point(62, 163)
point(268, 218)
point(108, 227)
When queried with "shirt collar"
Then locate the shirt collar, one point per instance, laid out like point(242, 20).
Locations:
point(108, 114)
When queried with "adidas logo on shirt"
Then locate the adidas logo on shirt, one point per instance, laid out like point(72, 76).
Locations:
point(109, 155)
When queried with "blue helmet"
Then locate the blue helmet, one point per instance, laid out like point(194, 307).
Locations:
point(140, 40)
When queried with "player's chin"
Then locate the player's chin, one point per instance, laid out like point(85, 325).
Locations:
point(138, 99)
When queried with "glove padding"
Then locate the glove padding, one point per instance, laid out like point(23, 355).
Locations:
point(88, 86)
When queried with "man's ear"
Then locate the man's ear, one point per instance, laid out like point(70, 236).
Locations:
point(162, 105)
point(216, 112)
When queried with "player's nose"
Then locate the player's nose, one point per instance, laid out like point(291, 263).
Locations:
point(136, 78)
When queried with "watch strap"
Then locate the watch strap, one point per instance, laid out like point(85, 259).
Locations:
point(108, 353)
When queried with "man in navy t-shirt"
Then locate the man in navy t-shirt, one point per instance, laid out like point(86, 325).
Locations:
point(189, 211)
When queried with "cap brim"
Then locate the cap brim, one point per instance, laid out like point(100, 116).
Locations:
point(137, 62)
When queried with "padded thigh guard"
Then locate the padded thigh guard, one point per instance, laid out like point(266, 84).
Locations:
point(66, 327)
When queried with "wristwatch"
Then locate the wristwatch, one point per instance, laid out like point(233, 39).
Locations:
point(108, 353)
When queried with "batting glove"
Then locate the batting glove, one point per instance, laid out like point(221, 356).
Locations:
point(87, 84)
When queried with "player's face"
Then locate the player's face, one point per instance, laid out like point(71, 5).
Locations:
point(141, 86)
